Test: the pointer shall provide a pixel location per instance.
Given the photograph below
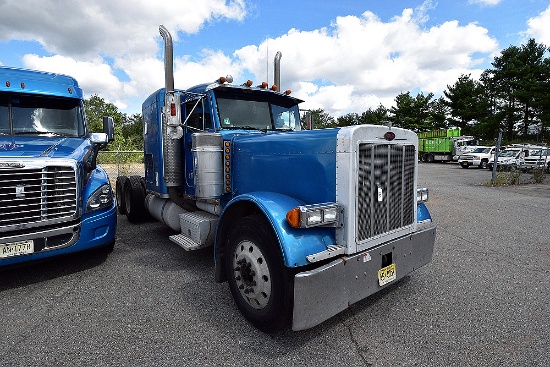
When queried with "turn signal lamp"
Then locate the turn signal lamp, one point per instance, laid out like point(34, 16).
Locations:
point(306, 216)
point(421, 195)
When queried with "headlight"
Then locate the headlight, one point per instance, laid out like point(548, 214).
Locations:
point(100, 199)
point(305, 216)
point(421, 195)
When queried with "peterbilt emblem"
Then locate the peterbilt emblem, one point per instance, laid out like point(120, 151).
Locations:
point(20, 191)
point(12, 165)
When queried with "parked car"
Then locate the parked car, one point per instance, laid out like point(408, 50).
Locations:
point(539, 159)
point(477, 158)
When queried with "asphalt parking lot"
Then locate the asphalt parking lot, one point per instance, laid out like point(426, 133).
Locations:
point(483, 301)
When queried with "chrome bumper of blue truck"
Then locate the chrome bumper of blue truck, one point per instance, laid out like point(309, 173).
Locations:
point(324, 292)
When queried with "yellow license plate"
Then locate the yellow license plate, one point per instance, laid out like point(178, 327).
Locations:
point(386, 275)
point(16, 248)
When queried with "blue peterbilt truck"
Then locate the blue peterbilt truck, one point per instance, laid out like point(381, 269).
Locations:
point(54, 198)
point(303, 223)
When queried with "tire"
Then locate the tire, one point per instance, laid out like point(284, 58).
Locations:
point(261, 285)
point(430, 158)
point(483, 164)
point(134, 200)
point(119, 191)
point(423, 158)
point(464, 166)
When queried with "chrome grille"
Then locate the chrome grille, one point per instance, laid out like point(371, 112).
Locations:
point(37, 195)
point(387, 169)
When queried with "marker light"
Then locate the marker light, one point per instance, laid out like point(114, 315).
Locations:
point(263, 85)
point(306, 216)
point(288, 91)
point(248, 83)
point(274, 87)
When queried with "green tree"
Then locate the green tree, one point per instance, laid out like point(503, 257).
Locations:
point(374, 117)
point(517, 83)
point(467, 102)
point(349, 119)
point(418, 114)
point(128, 130)
point(321, 119)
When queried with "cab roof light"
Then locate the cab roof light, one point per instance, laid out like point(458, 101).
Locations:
point(287, 92)
point(225, 79)
point(263, 85)
point(274, 88)
point(248, 83)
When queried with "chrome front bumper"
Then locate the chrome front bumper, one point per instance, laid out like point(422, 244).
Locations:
point(326, 291)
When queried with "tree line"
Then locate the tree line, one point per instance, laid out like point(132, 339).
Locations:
point(513, 96)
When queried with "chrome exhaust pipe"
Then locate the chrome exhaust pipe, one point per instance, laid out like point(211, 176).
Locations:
point(277, 70)
point(168, 59)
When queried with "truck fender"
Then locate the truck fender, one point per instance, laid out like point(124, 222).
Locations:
point(295, 243)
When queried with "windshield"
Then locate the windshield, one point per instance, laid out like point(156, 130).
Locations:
point(508, 153)
point(542, 152)
point(23, 114)
point(481, 150)
point(255, 114)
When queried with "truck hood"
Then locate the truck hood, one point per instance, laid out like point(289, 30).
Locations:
point(43, 147)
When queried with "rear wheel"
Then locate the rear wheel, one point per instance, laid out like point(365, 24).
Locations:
point(430, 158)
point(261, 285)
point(483, 164)
point(134, 200)
point(119, 191)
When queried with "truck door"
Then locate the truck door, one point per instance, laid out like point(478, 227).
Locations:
point(197, 115)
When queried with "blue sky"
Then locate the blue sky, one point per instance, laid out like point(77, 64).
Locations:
point(340, 55)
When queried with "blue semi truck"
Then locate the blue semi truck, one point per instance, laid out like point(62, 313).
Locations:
point(54, 198)
point(303, 223)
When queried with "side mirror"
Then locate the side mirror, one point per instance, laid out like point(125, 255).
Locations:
point(109, 128)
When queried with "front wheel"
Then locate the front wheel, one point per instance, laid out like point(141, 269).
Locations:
point(261, 285)
point(483, 164)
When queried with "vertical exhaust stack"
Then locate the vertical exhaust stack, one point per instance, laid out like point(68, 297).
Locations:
point(171, 118)
point(168, 59)
point(277, 70)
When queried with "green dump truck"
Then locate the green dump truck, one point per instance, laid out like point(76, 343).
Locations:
point(444, 145)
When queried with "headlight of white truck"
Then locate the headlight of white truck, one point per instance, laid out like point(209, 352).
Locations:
point(100, 199)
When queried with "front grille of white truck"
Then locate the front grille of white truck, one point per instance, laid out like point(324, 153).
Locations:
point(37, 195)
point(386, 196)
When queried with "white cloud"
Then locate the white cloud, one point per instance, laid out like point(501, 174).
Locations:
point(485, 2)
point(538, 29)
point(112, 28)
point(96, 75)
point(353, 64)
point(358, 58)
